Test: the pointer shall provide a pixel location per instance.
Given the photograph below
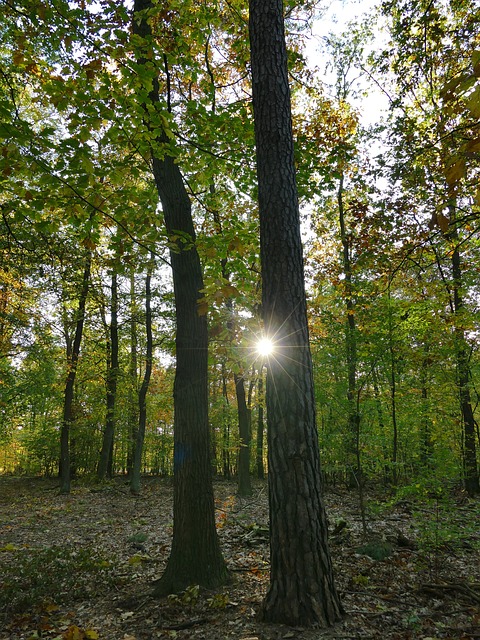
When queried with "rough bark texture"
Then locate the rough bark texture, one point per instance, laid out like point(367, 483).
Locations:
point(195, 556)
point(65, 470)
point(302, 589)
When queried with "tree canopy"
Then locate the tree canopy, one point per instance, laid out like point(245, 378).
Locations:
point(133, 283)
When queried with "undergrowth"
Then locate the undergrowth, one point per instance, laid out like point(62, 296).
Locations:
point(33, 577)
point(444, 516)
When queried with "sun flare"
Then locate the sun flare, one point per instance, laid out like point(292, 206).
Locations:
point(265, 347)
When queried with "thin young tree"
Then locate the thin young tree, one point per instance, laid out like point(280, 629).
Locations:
point(302, 589)
point(73, 353)
point(142, 392)
point(105, 463)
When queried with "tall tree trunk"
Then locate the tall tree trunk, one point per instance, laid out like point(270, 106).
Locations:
point(226, 468)
point(105, 462)
point(142, 393)
point(65, 471)
point(302, 589)
point(472, 482)
point(244, 484)
point(260, 427)
point(426, 444)
point(133, 379)
point(393, 393)
point(195, 556)
point(381, 425)
point(353, 421)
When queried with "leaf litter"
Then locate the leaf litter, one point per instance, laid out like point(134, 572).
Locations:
point(81, 567)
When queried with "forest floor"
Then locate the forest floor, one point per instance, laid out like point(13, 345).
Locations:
point(80, 567)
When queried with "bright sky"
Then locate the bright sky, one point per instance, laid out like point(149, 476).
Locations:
point(335, 21)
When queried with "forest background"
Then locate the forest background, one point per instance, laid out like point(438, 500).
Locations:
point(390, 215)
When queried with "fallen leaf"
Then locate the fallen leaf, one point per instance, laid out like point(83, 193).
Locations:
point(127, 614)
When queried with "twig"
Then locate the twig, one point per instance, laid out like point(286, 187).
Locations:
point(185, 625)
point(436, 589)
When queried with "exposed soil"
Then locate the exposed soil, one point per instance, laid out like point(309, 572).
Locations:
point(425, 582)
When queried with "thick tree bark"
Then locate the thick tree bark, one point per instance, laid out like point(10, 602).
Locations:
point(302, 589)
point(142, 392)
point(195, 556)
point(65, 458)
point(105, 462)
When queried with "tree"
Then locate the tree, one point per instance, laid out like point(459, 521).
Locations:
point(302, 589)
point(142, 392)
point(73, 353)
point(435, 132)
point(244, 427)
point(195, 557)
point(111, 336)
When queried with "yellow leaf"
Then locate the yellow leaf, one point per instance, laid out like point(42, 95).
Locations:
point(443, 222)
point(202, 308)
point(473, 103)
point(18, 58)
point(476, 62)
point(90, 634)
point(455, 171)
point(473, 145)
point(9, 547)
point(136, 559)
point(230, 290)
point(476, 197)
point(73, 633)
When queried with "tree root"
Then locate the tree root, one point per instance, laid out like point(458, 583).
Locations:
point(471, 592)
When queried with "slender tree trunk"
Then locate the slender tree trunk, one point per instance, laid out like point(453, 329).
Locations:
point(4, 303)
point(393, 393)
point(353, 421)
point(381, 425)
point(470, 463)
point(426, 444)
point(65, 458)
point(133, 379)
point(142, 393)
point(472, 483)
point(105, 462)
point(244, 483)
point(225, 426)
point(260, 427)
point(302, 589)
point(195, 556)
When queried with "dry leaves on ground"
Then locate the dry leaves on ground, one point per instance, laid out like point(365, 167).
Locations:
point(80, 567)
